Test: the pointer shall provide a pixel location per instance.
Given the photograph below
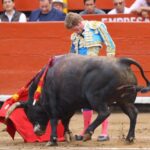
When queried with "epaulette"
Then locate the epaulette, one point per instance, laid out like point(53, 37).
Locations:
point(94, 24)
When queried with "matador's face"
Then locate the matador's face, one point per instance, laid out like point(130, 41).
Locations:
point(78, 28)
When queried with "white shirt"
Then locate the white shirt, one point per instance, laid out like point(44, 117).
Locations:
point(137, 4)
point(113, 11)
point(22, 17)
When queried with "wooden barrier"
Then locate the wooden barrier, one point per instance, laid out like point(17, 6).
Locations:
point(26, 47)
point(29, 5)
point(117, 18)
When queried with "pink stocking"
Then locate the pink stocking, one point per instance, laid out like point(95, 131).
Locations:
point(87, 116)
point(105, 127)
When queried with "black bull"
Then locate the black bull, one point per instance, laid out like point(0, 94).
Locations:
point(75, 82)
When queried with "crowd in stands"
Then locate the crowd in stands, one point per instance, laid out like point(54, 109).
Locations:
point(48, 11)
point(52, 10)
point(10, 14)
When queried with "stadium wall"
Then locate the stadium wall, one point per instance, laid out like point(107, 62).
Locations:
point(26, 47)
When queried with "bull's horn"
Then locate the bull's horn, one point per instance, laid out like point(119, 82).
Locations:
point(11, 109)
point(34, 102)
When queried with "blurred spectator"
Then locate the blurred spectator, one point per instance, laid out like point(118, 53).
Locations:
point(90, 8)
point(10, 14)
point(141, 7)
point(46, 12)
point(119, 7)
point(59, 4)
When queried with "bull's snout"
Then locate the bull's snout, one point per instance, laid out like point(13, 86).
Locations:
point(38, 130)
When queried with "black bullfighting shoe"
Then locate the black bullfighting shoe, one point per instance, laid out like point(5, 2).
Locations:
point(103, 138)
point(78, 137)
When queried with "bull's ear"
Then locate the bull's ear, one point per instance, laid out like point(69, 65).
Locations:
point(13, 107)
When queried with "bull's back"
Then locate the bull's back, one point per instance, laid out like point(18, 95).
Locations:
point(73, 68)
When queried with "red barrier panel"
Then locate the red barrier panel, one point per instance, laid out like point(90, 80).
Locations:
point(26, 47)
point(117, 18)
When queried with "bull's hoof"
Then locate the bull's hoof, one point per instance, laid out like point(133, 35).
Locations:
point(130, 140)
point(86, 137)
point(78, 137)
point(51, 144)
point(69, 136)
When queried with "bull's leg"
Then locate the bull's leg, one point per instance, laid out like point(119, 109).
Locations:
point(67, 133)
point(103, 113)
point(53, 137)
point(131, 111)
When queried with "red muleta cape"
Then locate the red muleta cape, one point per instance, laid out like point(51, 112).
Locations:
point(19, 122)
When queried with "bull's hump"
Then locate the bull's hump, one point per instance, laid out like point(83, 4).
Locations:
point(78, 62)
point(77, 57)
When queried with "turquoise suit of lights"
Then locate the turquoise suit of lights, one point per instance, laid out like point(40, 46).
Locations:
point(90, 41)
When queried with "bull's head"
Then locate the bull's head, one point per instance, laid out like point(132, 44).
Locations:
point(36, 114)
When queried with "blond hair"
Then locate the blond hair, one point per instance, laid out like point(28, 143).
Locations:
point(72, 19)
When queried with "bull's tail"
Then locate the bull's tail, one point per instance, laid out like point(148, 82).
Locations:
point(129, 61)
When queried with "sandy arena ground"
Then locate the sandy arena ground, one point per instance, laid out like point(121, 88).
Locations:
point(118, 127)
